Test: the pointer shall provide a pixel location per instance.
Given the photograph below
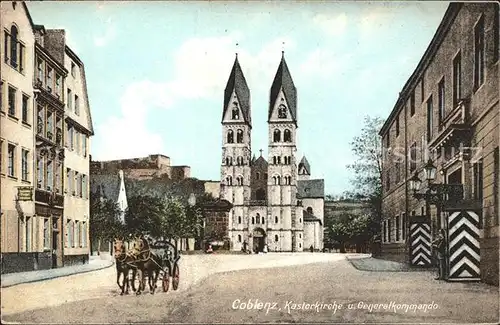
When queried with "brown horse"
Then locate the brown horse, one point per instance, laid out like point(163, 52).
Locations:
point(124, 264)
point(147, 263)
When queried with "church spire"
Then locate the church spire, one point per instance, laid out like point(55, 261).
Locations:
point(238, 84)
point(283, 80)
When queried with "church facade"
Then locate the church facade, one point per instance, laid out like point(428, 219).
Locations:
point(275, 203)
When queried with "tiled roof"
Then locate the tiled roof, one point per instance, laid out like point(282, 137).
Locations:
point(309, 217)
point(283, 79)
point(313, 188)
point(306, 165)
point(107, 185)
point(260, 161)
point(238, 83)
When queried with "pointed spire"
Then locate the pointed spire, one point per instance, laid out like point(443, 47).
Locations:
point(283, 80)
point(261, 152)
point(304, 163)
point(237, 83)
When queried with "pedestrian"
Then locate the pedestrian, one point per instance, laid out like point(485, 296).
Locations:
point(245, 244)
point(311, 248)
point(265, 248)
point(439, 244)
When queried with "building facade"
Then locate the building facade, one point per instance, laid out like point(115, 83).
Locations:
point(273, 201)
point(35, 195)
point(448, 111)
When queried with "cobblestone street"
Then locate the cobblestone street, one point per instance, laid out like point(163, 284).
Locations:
point(299, 278)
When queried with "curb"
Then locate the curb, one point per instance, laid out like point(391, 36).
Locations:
point(407, 270)
point(60, 276)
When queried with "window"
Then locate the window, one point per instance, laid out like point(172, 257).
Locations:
point(412, 103)
point(239, 238)
point(239, 136)
point(397, 126)
point(479, 53)
point(429, 119)
point(24, 164)
point(230, 136)
point(76, 183)
point(423, 149)
point(287, 136)
point(441, 101)
point(46, 234)
point(40, 71)
point(397, 228)
point(403, 226)
point(84, 144)
point(84, 187)
point(77, 105)
point(257, 218)
point(413, 157)
point(478, 180)
point(457, 79)
point(235, 113)
point(40, 171)
point(84, 234)
point(422, 89)
point(25, 109)
point(58, 130)
point(275, 219)
point(71, 137)
point(28, 234)
point(257, 176)
point(78, 142)
point(11, 154)
point(309, 210)
point(253, 220)
point(58, 177)
point(277, 135)
point(73, 69)
point(69, 181)
point(239, 219)
point(69, 104)
point(229, 161)
point(58, 86)
point(12, 101)
point(6, 46)
point(13, 46)
point(40, 121)
point(229, 180)
point(389, 230)
point(77, 233)
point(239, 180)
point(282, 111)
point(384, 230)
point(397, 166)
point(66, 228)
point(50, 81)
point(71, 233)
point(50, 125)
point(50, 175)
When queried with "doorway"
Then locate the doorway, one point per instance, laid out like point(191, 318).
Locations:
point(259, 237)
point(57, 256)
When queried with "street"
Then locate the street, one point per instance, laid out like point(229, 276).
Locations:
point(279, 287)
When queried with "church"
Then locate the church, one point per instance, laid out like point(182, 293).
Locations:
point(275, 202)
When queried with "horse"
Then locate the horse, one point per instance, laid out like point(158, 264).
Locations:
point(124, 264)
point(146, 262)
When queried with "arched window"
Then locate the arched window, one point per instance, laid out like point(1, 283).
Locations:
point(276, 238)
point(274, 160)
point(300, 235)
point(287, 136)
point(300, 245)
point(257, 218)
point(229, 161)
point(260, 194)
point(275, 180)
point(239, 136)
point(13, 46)
point(239, 180)
point(236, 112)
point(239, 219)
point(309, 210)
point(300, 220)
point(253, 220)
point(275, 219)
point(229, 180)
point(257, 176)
point(282, 111)
point(277, 135)
point(278, 178)
point(239, 160)
point(239, 238)
point(230, 136)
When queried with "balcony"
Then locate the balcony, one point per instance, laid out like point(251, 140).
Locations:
point(454, 128)
point(49, 198)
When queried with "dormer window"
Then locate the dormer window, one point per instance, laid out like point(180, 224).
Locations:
point(282, 111)
point(236, 112)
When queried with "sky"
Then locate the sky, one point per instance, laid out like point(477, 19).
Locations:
point(156, 72)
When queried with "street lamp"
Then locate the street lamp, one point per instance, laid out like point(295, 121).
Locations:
point(415, 183)
point(430, 171)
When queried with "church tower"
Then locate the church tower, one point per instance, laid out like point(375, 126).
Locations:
point(236, 149)
point(285, 226)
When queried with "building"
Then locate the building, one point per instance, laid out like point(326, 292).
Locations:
point(38, 149)
point(143, 168)
point(274, 202)
point(448, 111)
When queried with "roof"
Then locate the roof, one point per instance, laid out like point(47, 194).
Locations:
point(312, 188)
point(283, 80)
point(306, 165)
point(260, 161)
point(426, 59)
point(309, 217)
point(238, 83)
point(106, 185)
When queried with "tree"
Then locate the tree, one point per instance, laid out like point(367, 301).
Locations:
point(144, 214)
point(367, 168)
point(105, 222)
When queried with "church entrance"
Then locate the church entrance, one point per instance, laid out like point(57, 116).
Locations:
point(259, 239)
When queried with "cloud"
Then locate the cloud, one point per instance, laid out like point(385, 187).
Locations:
point(331, 25)
point(323, 63)
point(108, 36)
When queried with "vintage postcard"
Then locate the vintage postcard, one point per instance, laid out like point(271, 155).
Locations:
point(249, 162)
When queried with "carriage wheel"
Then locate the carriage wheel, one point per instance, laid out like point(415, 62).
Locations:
point(165, 282)
point(175, 276)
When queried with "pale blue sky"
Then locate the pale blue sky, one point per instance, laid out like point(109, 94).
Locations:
point(156, 72)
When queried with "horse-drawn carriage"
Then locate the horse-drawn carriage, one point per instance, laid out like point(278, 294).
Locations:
point(156, 262)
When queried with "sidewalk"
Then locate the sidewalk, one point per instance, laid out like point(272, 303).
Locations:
point(95, 263)
point(380, 265)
